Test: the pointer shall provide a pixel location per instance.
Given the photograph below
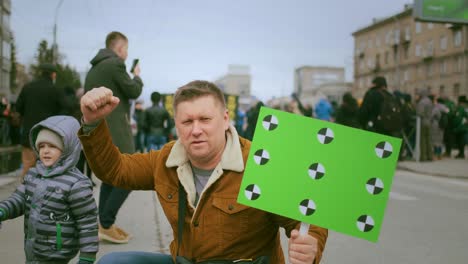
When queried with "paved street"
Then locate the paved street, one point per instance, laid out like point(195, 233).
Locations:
point(425, 222)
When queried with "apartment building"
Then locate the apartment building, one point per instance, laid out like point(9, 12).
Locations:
point(237, 81)
point(313, 82)
point(412, 55)
point(5, 47)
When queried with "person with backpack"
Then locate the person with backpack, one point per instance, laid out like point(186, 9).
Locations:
point(424, 111)
point(380, 110)
point(439, 120)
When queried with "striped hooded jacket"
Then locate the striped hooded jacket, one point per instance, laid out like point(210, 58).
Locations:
point(60, 214)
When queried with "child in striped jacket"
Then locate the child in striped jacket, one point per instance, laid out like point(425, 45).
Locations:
point(56, 199)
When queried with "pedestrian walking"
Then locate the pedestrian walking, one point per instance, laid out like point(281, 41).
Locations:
point(437, 130)
point(424, 111)
point(157, 122)
point(108, 70)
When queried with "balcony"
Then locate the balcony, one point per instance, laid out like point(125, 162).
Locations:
point(376, 68)
point(6, 4)
point(453, 26)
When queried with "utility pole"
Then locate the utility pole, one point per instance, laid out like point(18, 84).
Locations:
point(54, 44)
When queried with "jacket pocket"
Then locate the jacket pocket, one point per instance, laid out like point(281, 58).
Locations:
point(169, 198)
point(231, 216)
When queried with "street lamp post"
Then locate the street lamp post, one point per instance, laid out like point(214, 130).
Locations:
point(54, 45)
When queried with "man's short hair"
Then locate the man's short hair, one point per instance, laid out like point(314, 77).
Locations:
point(155, 97)
point(113, 37)
point(197, 89)
point(379, 82)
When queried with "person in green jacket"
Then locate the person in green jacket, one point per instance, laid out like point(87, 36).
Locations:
point(108, 70)
point(460, 125)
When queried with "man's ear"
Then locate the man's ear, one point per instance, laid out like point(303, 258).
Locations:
point(226, 119)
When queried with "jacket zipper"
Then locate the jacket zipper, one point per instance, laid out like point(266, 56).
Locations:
point(58, 227)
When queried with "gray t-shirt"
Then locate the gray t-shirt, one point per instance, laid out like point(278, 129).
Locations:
point(200, 177)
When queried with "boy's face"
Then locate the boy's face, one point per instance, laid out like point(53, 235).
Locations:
point(49, 154)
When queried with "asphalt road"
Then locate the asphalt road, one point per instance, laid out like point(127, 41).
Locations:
point(426, 221)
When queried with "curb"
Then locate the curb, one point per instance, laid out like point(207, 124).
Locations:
point(430, 173)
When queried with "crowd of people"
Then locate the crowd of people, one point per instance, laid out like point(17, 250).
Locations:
point(443, 123)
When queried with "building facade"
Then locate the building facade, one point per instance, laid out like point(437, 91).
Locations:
point(237, 81)
point(412, 55)
point(314, 82)
point(5, 50)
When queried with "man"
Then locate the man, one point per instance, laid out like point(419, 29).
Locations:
point(208, 161)
point(139, 117)
point(108, 69)
point(157, 122)
point(380, 110)
point(424, 111)
point(460, 126)
point(37, 101)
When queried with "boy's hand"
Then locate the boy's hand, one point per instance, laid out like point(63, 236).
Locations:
point(1, 217)
point(97, 104)
point(83, 261)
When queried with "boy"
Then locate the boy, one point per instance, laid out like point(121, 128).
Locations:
point(60, 214)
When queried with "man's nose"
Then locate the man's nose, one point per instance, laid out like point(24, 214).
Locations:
point(196, 129)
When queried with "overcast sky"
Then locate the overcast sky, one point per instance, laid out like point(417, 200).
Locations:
point(181, 40)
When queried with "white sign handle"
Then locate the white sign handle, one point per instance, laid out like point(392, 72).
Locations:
point(304, 230)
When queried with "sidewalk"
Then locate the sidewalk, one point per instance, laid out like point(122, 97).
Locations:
point(453, 168)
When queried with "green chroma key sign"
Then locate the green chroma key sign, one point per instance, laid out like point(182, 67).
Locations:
point(320, 173)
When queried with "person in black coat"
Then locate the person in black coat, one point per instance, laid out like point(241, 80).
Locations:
point(37, 101)
point(347, 113)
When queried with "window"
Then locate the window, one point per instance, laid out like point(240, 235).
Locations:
point(406, 75)
point(441, 90)
point(406, 51)
point(456, 90)
point(430, 48)
point(418, 27)
point(377, 41)
point(6, 79)
point(417, 52)
point(361, 65)
point(443, 43)
point(458, 64)
point(6, 20)
point(430, 26)
point(443, 67)
point(363, 45)
point(377, 60)
point(370, 63)
point(457, 38)
point(429, 69)
point(6, 50)
point(407, 33)
point(388, 37)
point(369, 43)
point(396, 36)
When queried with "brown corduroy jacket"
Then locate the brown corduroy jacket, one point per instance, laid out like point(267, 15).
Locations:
point(218, 227)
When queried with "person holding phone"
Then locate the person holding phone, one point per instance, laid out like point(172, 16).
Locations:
point(108, 69)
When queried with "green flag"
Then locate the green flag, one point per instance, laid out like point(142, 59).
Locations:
point(320, 173)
